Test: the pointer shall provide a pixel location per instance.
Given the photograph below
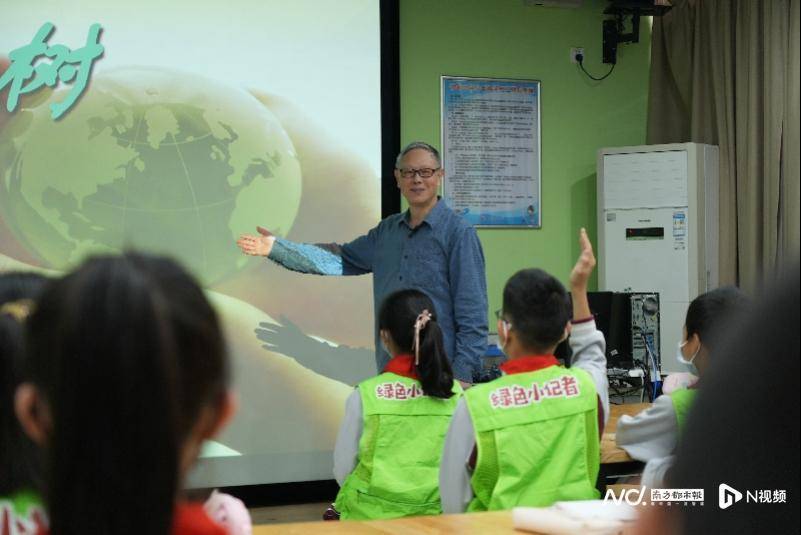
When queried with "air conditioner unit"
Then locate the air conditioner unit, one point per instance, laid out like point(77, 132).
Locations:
point(658, 228)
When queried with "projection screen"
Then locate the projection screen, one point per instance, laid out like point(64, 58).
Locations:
point(200, 121)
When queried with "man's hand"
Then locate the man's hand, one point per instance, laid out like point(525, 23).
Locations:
point(584, 265)
point(257, 245)
point(465, 385)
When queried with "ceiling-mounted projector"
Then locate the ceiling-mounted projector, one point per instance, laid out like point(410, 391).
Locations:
point(613, 28)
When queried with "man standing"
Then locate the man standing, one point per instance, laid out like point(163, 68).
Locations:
point(428, 247)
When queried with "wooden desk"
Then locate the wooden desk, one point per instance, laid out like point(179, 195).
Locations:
point(615, 462)
point(494, 523)
point(616, 411)
point(499, 522)
point(610, 453)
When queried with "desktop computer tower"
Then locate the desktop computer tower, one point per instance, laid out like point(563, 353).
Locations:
point(630, 324)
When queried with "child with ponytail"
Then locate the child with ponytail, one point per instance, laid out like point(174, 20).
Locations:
point(389, 446)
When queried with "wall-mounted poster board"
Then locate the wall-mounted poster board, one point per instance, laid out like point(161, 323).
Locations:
point(491, 150)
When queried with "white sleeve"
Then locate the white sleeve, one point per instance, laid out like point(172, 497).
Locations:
point(651, 434)
point(346, 450)
point(589, 354)
point(653, 475)
point(454, 473)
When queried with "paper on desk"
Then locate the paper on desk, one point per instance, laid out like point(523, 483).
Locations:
point(597, 509)
point(565, 518)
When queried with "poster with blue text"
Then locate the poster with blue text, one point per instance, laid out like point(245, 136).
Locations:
point(491, 150)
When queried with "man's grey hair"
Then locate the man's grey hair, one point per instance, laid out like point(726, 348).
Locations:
point(418, 145)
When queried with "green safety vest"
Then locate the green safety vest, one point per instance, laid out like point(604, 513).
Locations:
point(22, 508)
point(399, 451)
point(537, 439)
point(682, 402)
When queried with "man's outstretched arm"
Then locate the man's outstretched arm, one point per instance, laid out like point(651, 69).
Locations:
point(354, 258)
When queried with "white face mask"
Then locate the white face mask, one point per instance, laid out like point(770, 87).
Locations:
point(384, 346)
point(505, 325)
point(688, 363)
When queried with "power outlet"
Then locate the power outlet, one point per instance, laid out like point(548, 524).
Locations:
point(576, 50)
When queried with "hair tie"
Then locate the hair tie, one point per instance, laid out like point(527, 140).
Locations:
point(419, 324)
point(19, 309)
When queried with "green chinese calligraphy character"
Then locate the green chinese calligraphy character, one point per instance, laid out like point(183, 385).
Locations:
point(61, 68)
point(21, 67)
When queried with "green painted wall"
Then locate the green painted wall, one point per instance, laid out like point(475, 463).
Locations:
point(505, 39)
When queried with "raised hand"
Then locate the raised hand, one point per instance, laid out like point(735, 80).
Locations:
point(259, 245)
point(579, 278)
point(585, 263)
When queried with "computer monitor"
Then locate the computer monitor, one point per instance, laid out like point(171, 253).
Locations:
point(629, 321)
point(613, 318)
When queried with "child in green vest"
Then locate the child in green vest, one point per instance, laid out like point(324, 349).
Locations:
point(388, 450)
point(652, 435)
point(21, 509)
point(532, 436)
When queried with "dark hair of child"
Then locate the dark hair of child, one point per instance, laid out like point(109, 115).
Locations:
point(20, 466)
point(714, 309)
point(538, 307)
point(128, 355)
point(398, 315)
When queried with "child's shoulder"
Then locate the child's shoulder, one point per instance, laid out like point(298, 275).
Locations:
point(192, 519)
point(24, 509)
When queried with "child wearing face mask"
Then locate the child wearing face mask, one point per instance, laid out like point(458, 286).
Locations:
point(653, 434)
point(531, 437)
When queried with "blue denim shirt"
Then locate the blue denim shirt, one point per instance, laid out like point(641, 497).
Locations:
point(441, 257)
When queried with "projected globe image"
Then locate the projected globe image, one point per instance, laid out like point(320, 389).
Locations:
point(181, 164)
point(150, 158)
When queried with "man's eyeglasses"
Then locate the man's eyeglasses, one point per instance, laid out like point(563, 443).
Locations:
point(425, 172)
point(499, 315)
